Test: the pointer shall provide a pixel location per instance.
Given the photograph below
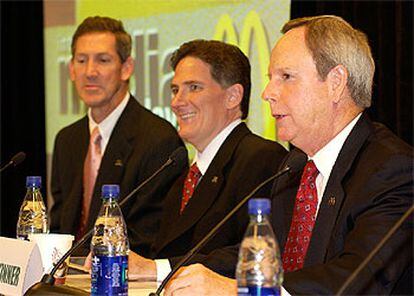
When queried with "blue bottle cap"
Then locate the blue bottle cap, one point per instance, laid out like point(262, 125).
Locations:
point(110, 191)
point(259, 206)
point(34, 181)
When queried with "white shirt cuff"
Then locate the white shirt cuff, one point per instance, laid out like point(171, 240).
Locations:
point(283, 291)
point(163, 269)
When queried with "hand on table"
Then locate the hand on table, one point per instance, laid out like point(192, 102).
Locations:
point(88, 262)
point(139, 268)
point(199, 280)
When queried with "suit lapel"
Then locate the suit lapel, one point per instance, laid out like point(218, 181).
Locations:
point(77, 154)
point(171, 213)
point(114, 160)
point(334, 194)
point(283, 194)
point(207, 191)
point(173, 203)
point(204, 195)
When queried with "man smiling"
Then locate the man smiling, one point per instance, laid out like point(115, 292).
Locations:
point(210, 97)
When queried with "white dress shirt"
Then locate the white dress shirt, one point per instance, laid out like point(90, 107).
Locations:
point(107, 125)
point(325, 158)
point(203, 160)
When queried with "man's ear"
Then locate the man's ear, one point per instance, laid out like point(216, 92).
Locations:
point(234, 96)
point(71, 70)
point(337, 79)
point(127, 69)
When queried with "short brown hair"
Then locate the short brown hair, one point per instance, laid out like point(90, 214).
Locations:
point(332, 41)
point(95, 24)
point(228, 64)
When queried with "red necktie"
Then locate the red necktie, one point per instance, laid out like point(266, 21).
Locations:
point(90, 171)
point(303, 220)
point(190, 184)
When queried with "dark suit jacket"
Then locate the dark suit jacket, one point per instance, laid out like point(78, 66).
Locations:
point(243, 161)
point(370, 188)
point(139, 144)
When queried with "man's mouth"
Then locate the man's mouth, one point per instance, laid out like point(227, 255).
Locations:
point(188, 115)
point(92, 86)
point(279, 116)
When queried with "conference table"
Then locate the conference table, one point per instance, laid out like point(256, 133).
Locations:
point(79, 279)
point(135, 288)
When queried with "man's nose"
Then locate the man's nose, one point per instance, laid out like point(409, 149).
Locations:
point(177, 99)
point(271, 92)
point(91, 69)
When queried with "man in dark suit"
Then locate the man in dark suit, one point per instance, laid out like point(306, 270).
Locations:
point(357, 183)
point(131, 143)
point(211, 91)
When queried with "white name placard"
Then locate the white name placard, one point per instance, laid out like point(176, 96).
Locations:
point(20, 266)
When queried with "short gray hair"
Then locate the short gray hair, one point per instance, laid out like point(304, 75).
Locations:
point(332, 41)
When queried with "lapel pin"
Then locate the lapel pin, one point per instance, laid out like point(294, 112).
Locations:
point(118, 163)
point(214, 179)
point(332, 201)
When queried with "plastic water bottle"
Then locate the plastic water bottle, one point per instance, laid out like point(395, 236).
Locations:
point(109, 247)
point(259, 269)
point(32, 215)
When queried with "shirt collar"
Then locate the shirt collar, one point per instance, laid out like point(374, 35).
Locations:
point(204, 158)
point(107, 125)
point(325, 158)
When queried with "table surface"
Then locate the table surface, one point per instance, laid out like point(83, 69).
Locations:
point(135, 288)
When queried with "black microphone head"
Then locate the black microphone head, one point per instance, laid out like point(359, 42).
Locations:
point(297, 161)
point(18, 158)
point(179, 156)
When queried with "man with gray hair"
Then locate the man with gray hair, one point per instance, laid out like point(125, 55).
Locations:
point(356, 184)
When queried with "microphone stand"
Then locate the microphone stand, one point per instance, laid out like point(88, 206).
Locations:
point(213, 231)
point(49, 277)
point(15, 160)
point(48, 280)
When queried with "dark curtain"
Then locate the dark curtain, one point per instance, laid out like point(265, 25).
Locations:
point(389, 27)
point(22, 103)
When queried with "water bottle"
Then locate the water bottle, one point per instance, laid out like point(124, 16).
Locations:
point(32, 215)
point(259, 269)
point(109, 247)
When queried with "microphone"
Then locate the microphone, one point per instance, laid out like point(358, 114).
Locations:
point(14, 161)
point(46, 285)
point(364, 263)
point(295, 163)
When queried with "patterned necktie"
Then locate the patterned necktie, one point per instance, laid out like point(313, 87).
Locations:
point(303, 220)
point(190, 184)
point(90, 171)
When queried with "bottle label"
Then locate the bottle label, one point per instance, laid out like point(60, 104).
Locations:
point(109, 275)
point(258, 291)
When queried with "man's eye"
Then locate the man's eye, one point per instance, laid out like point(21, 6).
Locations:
point(194, 87)
point(104, 60)
point(174, 90)
point(80, 60)
point(286, 76)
